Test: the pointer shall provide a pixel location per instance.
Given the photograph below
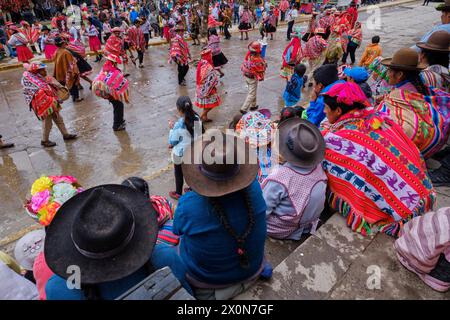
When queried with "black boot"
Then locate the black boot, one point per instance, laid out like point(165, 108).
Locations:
point(440, 177)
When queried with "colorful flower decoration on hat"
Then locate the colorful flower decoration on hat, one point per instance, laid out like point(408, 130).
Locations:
point(255, 129)
point(34, 66)
point(48, 194)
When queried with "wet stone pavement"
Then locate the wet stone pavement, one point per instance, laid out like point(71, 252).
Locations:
point(100, 155)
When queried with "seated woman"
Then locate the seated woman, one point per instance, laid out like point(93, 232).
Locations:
point(376, 175)
point(424, 248)
point(221, 223)
point(295, 191)
point(423, 118)
point(434, 54)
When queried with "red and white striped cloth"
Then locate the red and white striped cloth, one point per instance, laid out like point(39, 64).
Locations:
point(422, 241)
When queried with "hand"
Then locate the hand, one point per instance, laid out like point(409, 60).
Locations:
point(171, 124)
point(170, 147)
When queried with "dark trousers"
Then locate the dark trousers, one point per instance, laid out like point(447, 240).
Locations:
point(155, 27)
point(236, 17)
point(425, 3)
point(182, 71)
point(140, 56)
point(74, 92)
point(283, 15)
point(118, 113)
point(147, 38)
point(179, 179)
point(351, 49)
point(289, 29)
point(226, 32)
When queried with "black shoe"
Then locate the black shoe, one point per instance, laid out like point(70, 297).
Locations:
point(48, 144)
point(254, 108)
point(440, 177)
point(121, 127)
point(6, 145)
point(68, 137)
point(441, 154)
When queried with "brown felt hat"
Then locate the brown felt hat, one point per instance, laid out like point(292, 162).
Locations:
point(217, 164)
point(438, 41)
point(404, 59)
point(301, 142)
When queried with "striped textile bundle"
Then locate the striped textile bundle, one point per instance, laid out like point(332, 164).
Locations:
point(424, 119)
point(314, 47)
point(376, 176)
point(111, 84)
point(164, 208)
point(39, 95)
point(166, 235)
point(179, 50)
point(165, 211)
point(422, 243)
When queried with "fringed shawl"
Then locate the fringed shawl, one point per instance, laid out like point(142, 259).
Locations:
point(39, 95)
point(376, 175)
point(179, 50)
point(110, 83)
point(424, 119)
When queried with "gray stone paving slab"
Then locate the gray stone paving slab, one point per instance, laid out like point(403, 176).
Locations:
point(339, 236)
point(309, 272)
point(396, 281)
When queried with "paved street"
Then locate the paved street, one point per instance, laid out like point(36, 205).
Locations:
point(102, 156)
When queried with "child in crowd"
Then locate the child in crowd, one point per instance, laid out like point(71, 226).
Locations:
point(372, 51)
point(293, 92)
point(180, 136)
point(295, 191)
point(164, 208)
point(359, 75)
point(255, 127)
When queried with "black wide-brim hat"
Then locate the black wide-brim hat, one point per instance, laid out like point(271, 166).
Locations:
point(60, 251)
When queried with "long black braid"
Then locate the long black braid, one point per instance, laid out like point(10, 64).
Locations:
point(414, 78)
point(240, 239)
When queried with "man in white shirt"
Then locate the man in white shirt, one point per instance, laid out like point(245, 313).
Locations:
point(74, 32)
point(291, 15)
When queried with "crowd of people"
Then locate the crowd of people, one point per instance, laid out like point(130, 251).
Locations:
point(357, 148)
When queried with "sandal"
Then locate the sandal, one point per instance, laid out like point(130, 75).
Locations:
point(48, 144)
point(174, 195)
point(6, 145)
point(205, 120)
point(68, 137)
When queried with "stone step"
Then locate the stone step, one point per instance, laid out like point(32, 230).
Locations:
point(313, 268)
point(337, 263)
